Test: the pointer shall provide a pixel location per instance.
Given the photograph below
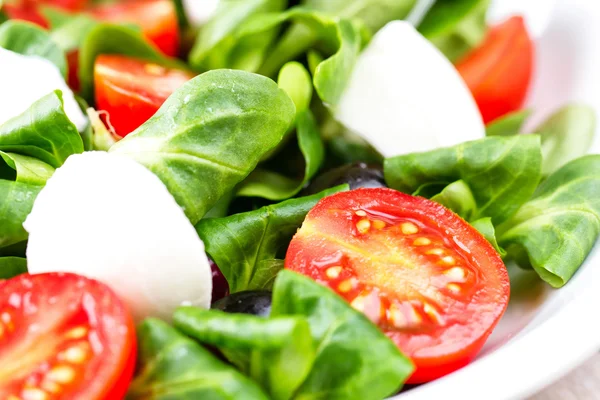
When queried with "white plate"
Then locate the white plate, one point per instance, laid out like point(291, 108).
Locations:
point(545, 333)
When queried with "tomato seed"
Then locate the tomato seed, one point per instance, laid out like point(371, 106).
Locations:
point(435, 251)
point(448, 260)
point(50, 386)
point(433, 314)
point(455, 273)
point(378, 224)
point(34, 394)
point(363, 225)
point(422, 241)
point(361, 213)
point(77, 332)
point(333, 272)
point(346, 285)
point(408, 228)
point(61, 374)
point(454, 288)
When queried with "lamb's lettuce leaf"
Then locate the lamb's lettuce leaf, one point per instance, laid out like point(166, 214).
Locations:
point(555, 231)
point(16, 202)
point(509, 125)
point(501, 172)
point(210, 134)
point(27, 169)
point(174, 367)
point(12, 266)
point(244, 246)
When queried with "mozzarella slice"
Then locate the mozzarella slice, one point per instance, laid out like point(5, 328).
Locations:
point(26, 79)
point(199, 12)
point(107, 217)
point(404, 96)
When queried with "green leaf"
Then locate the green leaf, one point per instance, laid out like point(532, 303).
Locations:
point(218, 46)
point(297, 83)
point(174, 367)
point(16, 202)
point(508, 125)
point(279, 351)
point(456, 30)
point(458, 197)
point(210, 134)
point(43, 131)
point(354, 360)
point(244, 246)
point(12, 266)
point(555, 231)
point(486, 228)
point(28, 169)
point(502, 172)
point(273, 186)
point(71, 34)
point(31, 40)
point(114, 39)
point(566, 135)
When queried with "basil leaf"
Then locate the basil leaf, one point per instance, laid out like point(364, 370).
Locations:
point(172, 367)
point(458, 197)
point(16, 202)
point(217, 45)
point(278, 351)
point(28, 169)
point(566, 135)
point(114, 39)
point(456, 27)
point(486, 228)
point(354, 359)
point(31, 40)
point(509, 125)
point(555, 231)
point(210, 134)
point(43, 131)
point(502, 172)
point(245, 245)
point(12, 266)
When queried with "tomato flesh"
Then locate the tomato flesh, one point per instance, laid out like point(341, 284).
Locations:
point(157, 19)
point(132, 90)
point(428, 279)
point(499, 72)
point(25, 12)
point(63, 336)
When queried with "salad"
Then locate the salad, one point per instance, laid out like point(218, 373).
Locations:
point(264, 199)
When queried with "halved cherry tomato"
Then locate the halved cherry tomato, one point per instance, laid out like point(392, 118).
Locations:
point(157, 19)
point(63, 336)
point(132, 90)
point(430, 281)
point(25, 12)
point(499, 72)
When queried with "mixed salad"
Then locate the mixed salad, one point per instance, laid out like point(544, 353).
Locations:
point(264, 199)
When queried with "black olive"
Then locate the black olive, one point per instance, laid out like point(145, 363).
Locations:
point(220, 287)
point(255, 302)
point(357, 175)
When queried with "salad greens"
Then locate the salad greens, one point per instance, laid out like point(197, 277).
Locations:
point(12, 266)
point(246, 246)
point(26, 169)
point(248, 114)
point(509, 125)
point(16, 201)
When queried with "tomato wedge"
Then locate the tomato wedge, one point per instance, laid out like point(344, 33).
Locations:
point(25, 12)
point(157, 19)
point(63, 336)
point(499, 72)
point(430, 281)
point(132, 90)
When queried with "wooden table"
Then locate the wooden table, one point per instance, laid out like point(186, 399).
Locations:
point(581, 384)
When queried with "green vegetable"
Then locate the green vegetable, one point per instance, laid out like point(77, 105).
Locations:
point(16, 202)
point(502, 172)
point(486, 228)
point(277, 352)
point(297, 83)
point(174, 367)
point(71, 34)
point(566, 135)
point(217, 45)
point(244, 246)
point(12, 266)
point(456, 26)
point(458, 197)
point(210, 134)
point(30, 40)
point(557, 228)
point(354, 359)
point(43, 131)
point(28, 169)
point(113, 39)
point(509, 125)
point(374, 14)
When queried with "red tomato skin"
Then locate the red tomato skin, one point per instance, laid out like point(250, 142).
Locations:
point(25, 12)
point(431, 358)
point(69, 5)
point(73, 75)
point(157, 18)
point(129, 93)
point(56, 301)
point(499, 72)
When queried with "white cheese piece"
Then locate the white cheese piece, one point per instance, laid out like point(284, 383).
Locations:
point(199, 12)
point(107, 217)
point(404, 96)
point(26, 79)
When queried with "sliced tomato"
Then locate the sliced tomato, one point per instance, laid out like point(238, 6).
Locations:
point(157, 19)
point(430, 281)
point(499, 72)
point(132, 90)
point(64, 336)
point(25, 12)
point(69, 5)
